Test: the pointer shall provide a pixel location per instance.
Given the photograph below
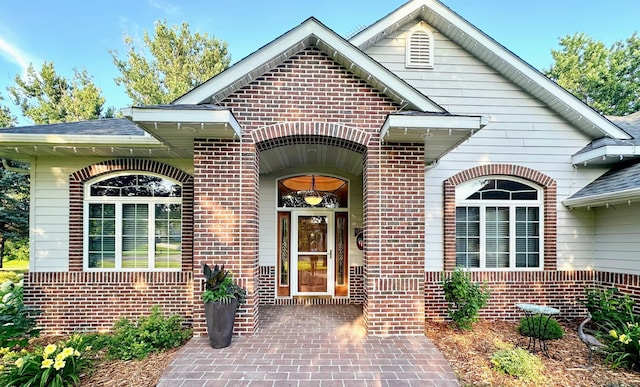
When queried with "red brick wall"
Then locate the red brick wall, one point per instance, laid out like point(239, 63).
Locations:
point(558, 289)
point(81, 301)
point(225, 222)
point(394, 239)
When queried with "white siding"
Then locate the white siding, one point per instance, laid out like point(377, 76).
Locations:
point(617, 238)
point(268, 232)
point(522, 131)
point(49, 207)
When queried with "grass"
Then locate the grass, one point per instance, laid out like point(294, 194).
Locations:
point(16, 265)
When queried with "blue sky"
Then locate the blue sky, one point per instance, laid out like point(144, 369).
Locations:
point(79, 33)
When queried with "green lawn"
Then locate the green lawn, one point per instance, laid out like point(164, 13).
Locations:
point(16, 265)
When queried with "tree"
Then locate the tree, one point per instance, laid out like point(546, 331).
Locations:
point(175, 61)
point(48, 98)
point(14, 208)
point(607, 79)
point(6, 118)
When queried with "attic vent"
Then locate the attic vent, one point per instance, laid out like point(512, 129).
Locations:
point(420, 49)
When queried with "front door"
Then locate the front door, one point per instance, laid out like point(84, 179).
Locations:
point(312, 253)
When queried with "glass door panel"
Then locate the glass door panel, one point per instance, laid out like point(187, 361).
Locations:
point(313, 256)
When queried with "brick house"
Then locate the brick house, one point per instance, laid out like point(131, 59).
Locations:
point(326, 170)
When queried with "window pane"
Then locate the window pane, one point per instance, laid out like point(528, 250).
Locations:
point(527, 237)
point(168, 237)
point(497, 237)
point(135, 243)
point(101, 243)
point(467, 237)
point(136, 185)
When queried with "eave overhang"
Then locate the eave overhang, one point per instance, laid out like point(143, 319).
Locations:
point(22, 146)
point(439, 132)
point(177, 126)
point(604, 200)
point(495, 55)
point(311, 33)
point(606, 155)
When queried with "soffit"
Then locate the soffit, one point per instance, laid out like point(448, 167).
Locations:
point(320, 155)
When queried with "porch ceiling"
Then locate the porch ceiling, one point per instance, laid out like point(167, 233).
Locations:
point(278, 158)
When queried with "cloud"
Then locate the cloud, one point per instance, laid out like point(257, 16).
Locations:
point(165, 7)
point(13, 54)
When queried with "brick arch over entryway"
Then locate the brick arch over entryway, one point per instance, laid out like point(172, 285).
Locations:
point(549, 189)
point(78, 179)
point(292, 133)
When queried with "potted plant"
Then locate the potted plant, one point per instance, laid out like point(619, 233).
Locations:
point(221, 299)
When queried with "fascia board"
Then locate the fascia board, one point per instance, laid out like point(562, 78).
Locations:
point(614, 151)
point(603, 199)
point(14, 139)
point(378, 27)
point(185, 116)
point(433, 122)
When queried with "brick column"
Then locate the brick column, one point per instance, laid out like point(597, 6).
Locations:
point(394, 241)
point(225, 218)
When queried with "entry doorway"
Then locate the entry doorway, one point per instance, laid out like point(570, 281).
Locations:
point(312, 242)
point(312, 237)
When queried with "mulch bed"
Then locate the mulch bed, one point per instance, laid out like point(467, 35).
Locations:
point(469, 353)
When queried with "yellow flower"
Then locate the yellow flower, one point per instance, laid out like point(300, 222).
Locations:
point(19, 362)
point(624, 339)
point(68, 351)
point(46, 363)
point(88, 348)
point(59, 364)
point(613, 334)
point(76, 353)
point(48, 350)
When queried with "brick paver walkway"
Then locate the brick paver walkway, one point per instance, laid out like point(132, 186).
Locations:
point(319, 345)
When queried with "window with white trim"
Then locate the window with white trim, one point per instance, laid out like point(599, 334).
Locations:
point(419, 49)
point(499, 224)
point(133, 221)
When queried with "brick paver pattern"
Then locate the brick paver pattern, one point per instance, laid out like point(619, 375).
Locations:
point(319, 345)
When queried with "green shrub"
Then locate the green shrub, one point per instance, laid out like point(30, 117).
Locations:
point(16, 250)
point(608, 306)
point(9, 276)
point(18, 321)
point(153, 333)
point(464, 298)
point(535, 327)
point(55, 365)
point(520, 363)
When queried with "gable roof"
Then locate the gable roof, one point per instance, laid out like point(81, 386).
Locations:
point(310, 33)
point(620, 184)
point(476, 42)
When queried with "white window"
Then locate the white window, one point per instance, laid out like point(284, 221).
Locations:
point(419, 49)
point(133, 222)
point(499, 224)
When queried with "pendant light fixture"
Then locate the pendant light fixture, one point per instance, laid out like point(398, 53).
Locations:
point(313, 197)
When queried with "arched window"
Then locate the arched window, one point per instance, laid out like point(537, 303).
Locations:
point(419, 49)
point(133, 221)
point(499, 224)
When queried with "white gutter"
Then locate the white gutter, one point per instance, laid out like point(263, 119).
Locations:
point(604, 199)
point(615, 152)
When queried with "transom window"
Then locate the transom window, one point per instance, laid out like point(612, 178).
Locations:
point(498, 224)
point(133, 222)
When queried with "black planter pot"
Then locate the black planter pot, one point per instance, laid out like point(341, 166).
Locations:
point(220, 318)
